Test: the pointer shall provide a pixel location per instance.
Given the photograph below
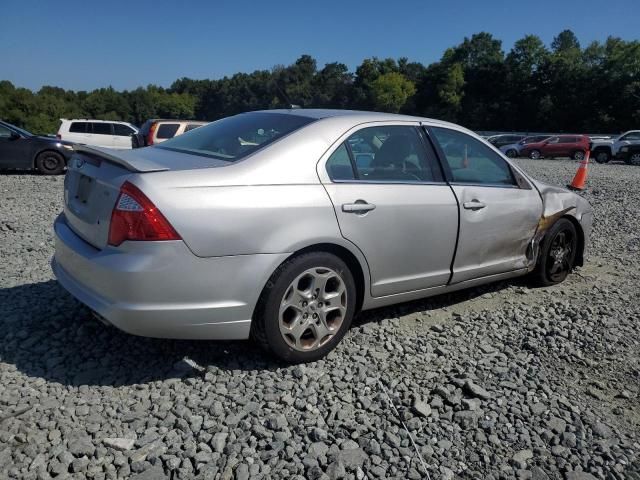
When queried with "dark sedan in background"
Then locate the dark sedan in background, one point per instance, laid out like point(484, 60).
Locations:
point(23, 150)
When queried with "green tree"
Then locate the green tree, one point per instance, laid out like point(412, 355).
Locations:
point(391, 91)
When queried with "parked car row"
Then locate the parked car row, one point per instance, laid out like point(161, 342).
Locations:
point(624, 147)
point(20, 149)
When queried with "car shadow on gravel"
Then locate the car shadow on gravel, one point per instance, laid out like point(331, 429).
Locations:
point(46, 333)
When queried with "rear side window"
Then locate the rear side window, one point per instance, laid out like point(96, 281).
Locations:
point(233, 138)
point(102, 128)
point(167, 130)
point(392, 153)
point(122, 130)
point(191, 126)
point(78, 127)
point(339, 165)
point(568, 139)
point(471, 161)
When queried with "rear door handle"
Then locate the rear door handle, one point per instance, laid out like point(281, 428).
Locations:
point(473, 205)
point(360, 206)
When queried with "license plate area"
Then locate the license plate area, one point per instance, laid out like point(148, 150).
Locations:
point(85, 184)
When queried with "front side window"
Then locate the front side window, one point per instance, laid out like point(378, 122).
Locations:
point(631, 136)
point(4, 132)
point(553, 140)
point(233, 138)
point(391, 153)
point(78, 127)
point(471, 161)
point(167, 130)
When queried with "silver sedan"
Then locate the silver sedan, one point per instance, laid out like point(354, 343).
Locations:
point(281, 225)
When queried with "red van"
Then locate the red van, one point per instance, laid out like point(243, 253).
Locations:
point(573, 146)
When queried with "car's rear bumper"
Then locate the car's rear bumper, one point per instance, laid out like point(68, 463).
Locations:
point(161, 289)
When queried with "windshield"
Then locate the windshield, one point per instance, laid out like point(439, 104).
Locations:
point(233, 138)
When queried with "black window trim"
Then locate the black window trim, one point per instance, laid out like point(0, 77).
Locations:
point(356, 178)
point(447, 170)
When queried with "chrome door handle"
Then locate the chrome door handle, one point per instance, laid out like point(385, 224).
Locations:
point(360, 206)
point(473, 205)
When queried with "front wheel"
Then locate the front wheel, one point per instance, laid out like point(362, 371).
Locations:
point(535, 154)
point(50, 163)
point(306, 307)
point(557, 253)
point(602, 156)
point(511, 153)
point(633, 159)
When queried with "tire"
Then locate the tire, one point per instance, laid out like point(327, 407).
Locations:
point(602, 156)
point(50, 163)
point(557, 254)
point(511, 153)
point(535, 154)
point(633, 159)
point(578, 155)
point(284, 324)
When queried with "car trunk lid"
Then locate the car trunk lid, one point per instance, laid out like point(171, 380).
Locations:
point(94, 178)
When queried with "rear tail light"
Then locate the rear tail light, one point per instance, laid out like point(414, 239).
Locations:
point(135, 217)
point(152, 131)
point(58, 136)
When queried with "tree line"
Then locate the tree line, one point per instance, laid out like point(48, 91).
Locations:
point(562, 87)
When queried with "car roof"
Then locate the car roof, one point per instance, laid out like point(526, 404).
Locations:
point(360, 115)
point(175, 120)
point(93, 120)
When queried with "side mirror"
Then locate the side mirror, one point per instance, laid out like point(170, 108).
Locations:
point(14, 136)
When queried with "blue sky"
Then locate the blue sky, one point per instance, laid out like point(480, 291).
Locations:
point(88, 44)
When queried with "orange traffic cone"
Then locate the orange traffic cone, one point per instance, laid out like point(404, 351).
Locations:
point(580, 180)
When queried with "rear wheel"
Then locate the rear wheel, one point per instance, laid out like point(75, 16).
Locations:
point(578, 155)
point(50, 163)
point(633, 159)
point(306, 307)
point(535, 154)
point(602, 156)
point(557, 253)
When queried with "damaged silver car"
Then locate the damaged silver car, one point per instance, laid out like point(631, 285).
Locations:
point(281, 225)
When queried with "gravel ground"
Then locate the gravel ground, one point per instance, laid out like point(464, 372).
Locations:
point(498, 382)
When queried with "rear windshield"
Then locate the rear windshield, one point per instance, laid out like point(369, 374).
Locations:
point(233, 138)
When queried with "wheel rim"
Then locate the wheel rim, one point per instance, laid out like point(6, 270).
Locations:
point(535, 154)
point(634, 159)
point(602, 157)
point(560, 255)
point(511, 153)
point(578, 156)
point(50, 162)
point(312, 309)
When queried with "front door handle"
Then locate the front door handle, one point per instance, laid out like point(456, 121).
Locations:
point(360, 206)
point(473, 205)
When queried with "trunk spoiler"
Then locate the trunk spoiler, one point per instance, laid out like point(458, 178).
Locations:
point(125, 158)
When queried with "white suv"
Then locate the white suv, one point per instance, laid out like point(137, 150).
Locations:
point(99, 133)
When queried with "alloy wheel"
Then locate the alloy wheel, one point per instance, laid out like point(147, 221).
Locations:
point(535, 154)
point(560, 255)
point(312, 309)
point(579, 155)
point(634, 159)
